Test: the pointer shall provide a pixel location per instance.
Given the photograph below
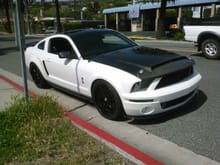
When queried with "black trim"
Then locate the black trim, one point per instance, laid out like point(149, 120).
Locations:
point(177, 101)
point(175, 77)
point(45, 67)
point(71, 93)
point(142, 101)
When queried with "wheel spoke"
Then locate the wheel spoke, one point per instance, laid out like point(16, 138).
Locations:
point(107, 100)
point(104, 100)
point(211, 49)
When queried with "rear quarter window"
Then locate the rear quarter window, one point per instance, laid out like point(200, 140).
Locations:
point(41, 45)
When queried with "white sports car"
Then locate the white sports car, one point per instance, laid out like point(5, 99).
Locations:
point(119, 76)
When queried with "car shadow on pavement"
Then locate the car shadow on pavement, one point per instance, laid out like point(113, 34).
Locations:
point(193, 105)
point(197, 55)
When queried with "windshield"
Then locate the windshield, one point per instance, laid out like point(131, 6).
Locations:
point(94, 43)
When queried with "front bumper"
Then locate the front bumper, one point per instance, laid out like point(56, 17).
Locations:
point(155, 101)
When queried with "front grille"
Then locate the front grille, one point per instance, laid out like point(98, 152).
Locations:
point(175, 77)
point(177, 101)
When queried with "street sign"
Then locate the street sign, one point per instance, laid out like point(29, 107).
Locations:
point(134, 11)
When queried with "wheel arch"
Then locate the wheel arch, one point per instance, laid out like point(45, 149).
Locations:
point(206, 35)
point(40, 66)
point(104, 80)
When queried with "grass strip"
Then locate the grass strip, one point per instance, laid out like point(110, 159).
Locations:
point(38, 133)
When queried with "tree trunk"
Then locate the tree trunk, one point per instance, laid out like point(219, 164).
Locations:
point(6, 4)
point(59, 27)
point(160, 33)
point(28, 20)
point(42, 8)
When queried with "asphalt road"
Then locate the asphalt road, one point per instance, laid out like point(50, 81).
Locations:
point(195, 126)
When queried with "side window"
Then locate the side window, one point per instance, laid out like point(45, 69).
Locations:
point(41, 45)
point(61, 45)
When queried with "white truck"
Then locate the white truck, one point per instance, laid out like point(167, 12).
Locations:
point(206, 36)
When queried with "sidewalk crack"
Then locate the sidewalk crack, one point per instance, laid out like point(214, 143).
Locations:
point(78, 107)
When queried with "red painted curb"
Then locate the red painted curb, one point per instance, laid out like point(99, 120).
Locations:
point(15, 85)
point(141, 156)
point(113, 140)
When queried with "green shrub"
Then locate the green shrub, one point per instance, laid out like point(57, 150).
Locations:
point(176, 34)
point(68, 26)
point(2, 27)
point(37, 27)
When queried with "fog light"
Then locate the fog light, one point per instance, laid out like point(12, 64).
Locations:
point(147, 110)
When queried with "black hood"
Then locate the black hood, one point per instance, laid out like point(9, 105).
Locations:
point(143, 61)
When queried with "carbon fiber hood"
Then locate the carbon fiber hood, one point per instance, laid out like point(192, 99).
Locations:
point(144, 62)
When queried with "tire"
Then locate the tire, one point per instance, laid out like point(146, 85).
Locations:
point(37, 77)
point(107, 101)
point(211, 48)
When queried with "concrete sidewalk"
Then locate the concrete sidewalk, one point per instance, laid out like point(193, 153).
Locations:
point(158, 148)
point(6, 93)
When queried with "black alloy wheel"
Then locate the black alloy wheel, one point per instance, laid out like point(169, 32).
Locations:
point(37, 77)
point(107, 101)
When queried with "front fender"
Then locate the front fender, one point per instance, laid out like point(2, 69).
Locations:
point(120, 80)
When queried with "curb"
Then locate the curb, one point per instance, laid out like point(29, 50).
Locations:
point(126, 150)
point(119, 146)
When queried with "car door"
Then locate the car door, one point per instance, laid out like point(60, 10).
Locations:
point(62, 71)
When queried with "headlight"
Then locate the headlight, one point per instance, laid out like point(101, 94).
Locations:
point(136, 87)
point(141, 86)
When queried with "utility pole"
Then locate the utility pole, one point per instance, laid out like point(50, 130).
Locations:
point(21, 43)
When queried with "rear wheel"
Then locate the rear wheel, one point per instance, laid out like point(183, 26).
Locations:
point(37, 77)
point(107, 100)
point(211, 48)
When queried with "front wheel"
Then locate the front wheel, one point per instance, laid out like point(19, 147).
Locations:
point(107, 100)
point(211, 48)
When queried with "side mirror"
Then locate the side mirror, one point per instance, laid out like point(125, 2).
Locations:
point(65, 54)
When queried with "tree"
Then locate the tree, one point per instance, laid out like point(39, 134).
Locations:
point(59, 27)
point(161, 21)
point(162, 15)
point(94, 7)
point(27, 4)
point(5, 5)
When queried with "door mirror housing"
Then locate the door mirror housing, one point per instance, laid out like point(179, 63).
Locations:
point(66, 54)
